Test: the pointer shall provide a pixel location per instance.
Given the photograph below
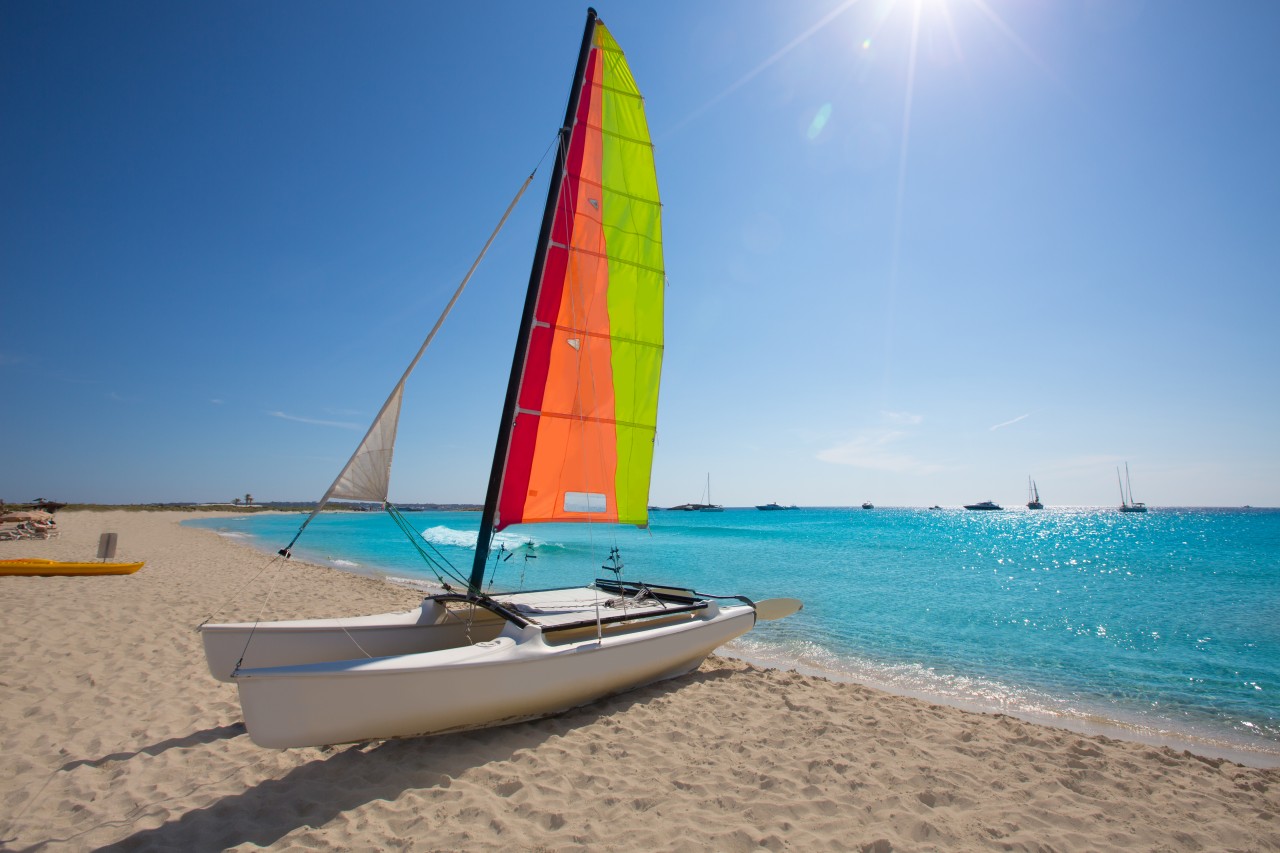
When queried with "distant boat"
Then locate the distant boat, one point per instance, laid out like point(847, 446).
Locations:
point(1127, 503)
point(985, 505)
point(868, 505)
point(709, 506)
point(1033, 495)
point(935, 506)
point(772, 506)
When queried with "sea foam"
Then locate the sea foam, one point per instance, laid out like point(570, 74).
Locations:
point(441, 535)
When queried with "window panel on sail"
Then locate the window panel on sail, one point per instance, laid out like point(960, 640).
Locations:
point(584, 502)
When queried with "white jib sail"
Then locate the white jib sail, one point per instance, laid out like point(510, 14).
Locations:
point(367, 474)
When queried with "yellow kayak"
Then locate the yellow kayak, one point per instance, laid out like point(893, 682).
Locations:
point(53, 567)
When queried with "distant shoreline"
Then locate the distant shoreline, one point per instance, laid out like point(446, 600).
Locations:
point(308, 506)
point(266, 506)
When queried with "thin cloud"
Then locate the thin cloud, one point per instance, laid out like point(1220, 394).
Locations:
point(875, 450)
point(1084, 464)
point(217, 402)
point(903, 418)
point(314, 421)
point(1010, 423)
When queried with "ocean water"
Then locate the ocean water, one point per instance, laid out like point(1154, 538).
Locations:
point(1165, 624)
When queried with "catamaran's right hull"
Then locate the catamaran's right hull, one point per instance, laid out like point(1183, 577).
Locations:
point(516, 676)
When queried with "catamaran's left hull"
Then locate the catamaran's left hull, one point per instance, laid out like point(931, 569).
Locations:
point(514, 677)
point(257, 645)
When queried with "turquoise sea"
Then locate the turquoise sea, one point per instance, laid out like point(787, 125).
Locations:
point(1166, 625)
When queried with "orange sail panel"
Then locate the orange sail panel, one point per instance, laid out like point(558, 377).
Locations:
point(581, 446)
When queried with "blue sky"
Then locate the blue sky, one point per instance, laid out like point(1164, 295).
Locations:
point(916, 251)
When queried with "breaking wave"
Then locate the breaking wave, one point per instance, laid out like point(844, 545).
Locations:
point(447, 536)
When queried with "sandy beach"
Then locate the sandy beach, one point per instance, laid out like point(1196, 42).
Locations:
point(116, 737)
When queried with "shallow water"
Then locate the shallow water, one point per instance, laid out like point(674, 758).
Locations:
point(1167, 622)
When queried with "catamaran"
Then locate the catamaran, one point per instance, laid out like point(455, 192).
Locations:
point(709, 506)
point(575, 444)
point(1033, 495)
point(1127, 503)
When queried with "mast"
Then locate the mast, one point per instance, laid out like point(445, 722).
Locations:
point(487, 518)
point(1127, 482)
point(1123, 502)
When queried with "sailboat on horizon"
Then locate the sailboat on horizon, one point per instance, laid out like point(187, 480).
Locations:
point(706, 506)
point(1127, 503)
point(1033, 495)
point(575, 444)
point(709, 506)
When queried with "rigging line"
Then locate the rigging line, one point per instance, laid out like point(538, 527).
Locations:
point(355, 642)
point(412, 535)
point(395, 392)
point(271, 562)
point(257, 619)
point(418, 536)
point(416, 540)
point(555, 137)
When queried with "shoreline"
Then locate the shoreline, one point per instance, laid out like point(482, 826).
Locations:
point(1099, 723)
point(116, 737)
point(1096, 725)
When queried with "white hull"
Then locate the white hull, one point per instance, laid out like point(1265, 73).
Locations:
point(518, 675)
point(251, 645)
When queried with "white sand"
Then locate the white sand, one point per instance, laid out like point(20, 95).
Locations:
point(114, 736)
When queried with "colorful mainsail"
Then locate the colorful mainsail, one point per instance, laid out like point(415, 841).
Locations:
point(581, 445)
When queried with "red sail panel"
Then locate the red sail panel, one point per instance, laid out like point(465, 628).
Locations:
point(533, 385)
